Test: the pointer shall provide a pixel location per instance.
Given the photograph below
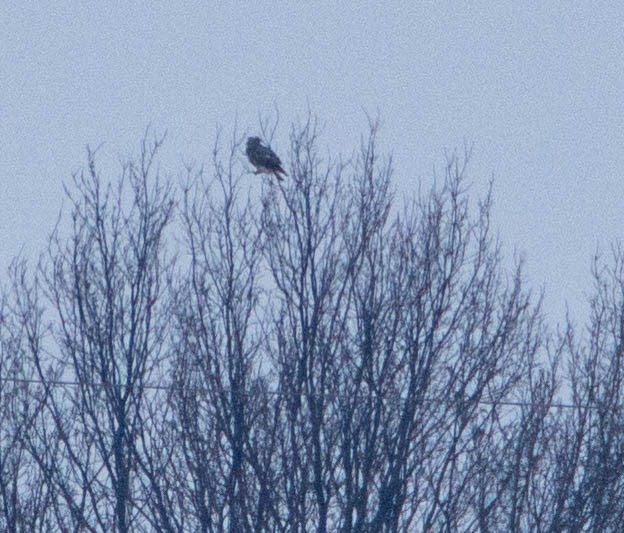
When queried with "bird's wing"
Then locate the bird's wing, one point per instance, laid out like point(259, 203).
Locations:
point(252, 155)
point(269, 158)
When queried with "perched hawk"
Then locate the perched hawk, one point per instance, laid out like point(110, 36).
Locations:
point(263, 158)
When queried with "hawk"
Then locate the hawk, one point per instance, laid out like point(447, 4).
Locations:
point(264, 159)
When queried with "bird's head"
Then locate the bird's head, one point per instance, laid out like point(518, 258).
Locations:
point(254, 141)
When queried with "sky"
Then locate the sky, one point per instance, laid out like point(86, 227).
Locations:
point(537, 88)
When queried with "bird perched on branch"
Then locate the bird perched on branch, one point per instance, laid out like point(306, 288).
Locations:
point(264, 159)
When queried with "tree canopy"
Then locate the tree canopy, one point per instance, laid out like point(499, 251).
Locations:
point(324, 357)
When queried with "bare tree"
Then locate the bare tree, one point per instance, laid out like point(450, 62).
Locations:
point(26, 499)
point(104, 284)
point(221, 395)
point(322, 357)
point(588, 477)
point(397, 344)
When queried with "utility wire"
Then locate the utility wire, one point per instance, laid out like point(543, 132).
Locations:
point(155, 386)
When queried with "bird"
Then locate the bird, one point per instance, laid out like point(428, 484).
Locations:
point(264, 159)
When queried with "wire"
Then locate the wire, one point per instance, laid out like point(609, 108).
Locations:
point(155, 386)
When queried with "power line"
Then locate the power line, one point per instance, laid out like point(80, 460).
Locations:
point(160, 387)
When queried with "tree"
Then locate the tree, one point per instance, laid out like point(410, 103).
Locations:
point(104, 284)
point(220, 394)
point(26, 499)
point(587, 480)
point(324, 357)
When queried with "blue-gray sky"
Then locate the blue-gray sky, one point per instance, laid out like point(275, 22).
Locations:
point(538, 87)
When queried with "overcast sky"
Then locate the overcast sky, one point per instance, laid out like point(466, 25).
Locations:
point(537, 87)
